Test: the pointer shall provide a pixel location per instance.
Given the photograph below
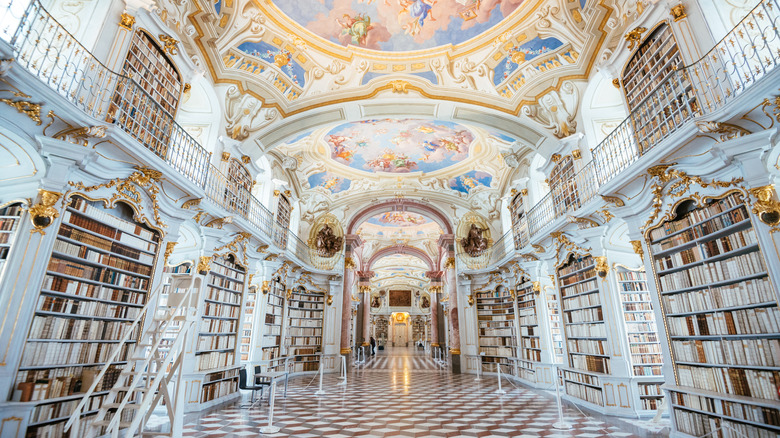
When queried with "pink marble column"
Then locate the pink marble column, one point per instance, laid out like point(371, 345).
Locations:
point(452, 290)
point(346, 305)
point(366, 316)
point(434, 318)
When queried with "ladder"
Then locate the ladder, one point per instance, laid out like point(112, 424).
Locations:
point(152, 374)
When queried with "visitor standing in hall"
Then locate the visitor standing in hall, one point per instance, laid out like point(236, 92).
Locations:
point(373, 345)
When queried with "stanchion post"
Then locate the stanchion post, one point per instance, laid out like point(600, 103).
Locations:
point(561, 423)
point(320, 391)
point(343, 370)
point(270, 428)
point(498, 370)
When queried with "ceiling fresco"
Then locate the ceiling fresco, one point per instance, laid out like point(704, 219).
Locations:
point(397, 25)
point(399, 219)
point(471, 180)
point(399, 145)
point(330, 182)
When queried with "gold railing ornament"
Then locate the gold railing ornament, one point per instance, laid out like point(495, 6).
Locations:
point(43, 213)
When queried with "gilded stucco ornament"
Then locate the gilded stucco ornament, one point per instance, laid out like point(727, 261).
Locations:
point(265, 287)
point(635, 36)
point(127, 21)
point(678, 12)
point(349, 263)
point(169, 43)
point(449, 263)
point(727, 131)
point(81, 136)
point(470, 299)
point(127, 190)
point(43, 213)
point(767, 206)
point(614, 200)
point(602, 266)
point(219, 222)
point(169, 247)
point(536, 287)
point(399, 86)
point(637, 245)
point(29, 109)
point(556, 110)
point(664, 174)
point(538, 248)
point(191, 203)
point(329, 300)
point(204, 264)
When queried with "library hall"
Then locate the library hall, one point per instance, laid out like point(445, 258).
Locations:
point(389, 218)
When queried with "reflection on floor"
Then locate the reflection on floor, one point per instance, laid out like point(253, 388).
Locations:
point(405, 394)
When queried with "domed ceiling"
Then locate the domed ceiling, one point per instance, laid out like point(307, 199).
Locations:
point(397, 25)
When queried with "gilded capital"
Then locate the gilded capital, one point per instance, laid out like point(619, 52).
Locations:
point(127, 21)
point(637, 244)
point(43, 213)
point(349, 263)
point(168, 250)
point(204, 264)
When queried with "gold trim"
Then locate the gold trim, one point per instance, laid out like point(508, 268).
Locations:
point(169, 44)
point(346, 350)
point(169, 247)
point(31, 110)
point(204, 264)
point(454, 350)
point(678, 12)
point(127, 21)
point(602, 266)
point(634, 36)
point(43, 213)
point(767, 206)
point(637, 244)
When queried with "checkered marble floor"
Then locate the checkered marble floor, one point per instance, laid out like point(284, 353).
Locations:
point(404, 398)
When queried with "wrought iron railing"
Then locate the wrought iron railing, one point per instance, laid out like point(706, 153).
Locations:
point(44, 48)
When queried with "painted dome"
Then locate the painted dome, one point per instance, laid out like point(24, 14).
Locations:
point(397, 25)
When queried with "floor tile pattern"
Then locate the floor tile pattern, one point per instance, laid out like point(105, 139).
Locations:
point(404, 395)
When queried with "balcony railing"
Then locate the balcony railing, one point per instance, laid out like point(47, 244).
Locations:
point(44, 48)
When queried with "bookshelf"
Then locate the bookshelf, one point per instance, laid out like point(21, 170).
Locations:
point(98, 279)
point(721, 318)
point(556, 330)
point(305, 314)
point(418, 329)
point(175, 327)
point(642, 333)
point(584, 328)
point(650, 68)
point(530, 340)
point(215, 353)
point(248, 323)
point(272, 335)
point(9, 225)
point(152, 70)
point(382, 330)
point(496, 325)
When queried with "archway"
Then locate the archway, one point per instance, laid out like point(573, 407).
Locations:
point(406, 205)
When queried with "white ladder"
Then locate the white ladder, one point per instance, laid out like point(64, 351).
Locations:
point(151, 374)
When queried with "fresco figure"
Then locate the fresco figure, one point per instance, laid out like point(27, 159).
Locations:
point(419, 10)
point(356, 27)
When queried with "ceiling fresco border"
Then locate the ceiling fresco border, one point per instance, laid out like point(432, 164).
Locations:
point(415, 84)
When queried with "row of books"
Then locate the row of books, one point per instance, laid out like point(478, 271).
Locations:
point(495, 311)
point(313, 305)
point(647, 359)
point(644, 66)
point(742, 411)
point(528, 320)
point(216, 342)
point(737, 381)
point(51, 411)
point(503, 331)
point(634, 327)
point(209, 361)
point(218, 325)
point(294, 313)
point(299, 341)
point(636, 307)
point(638, 316)
point(578, 301)
point(631, 287)
point(58, 429)
point(745, 352)
point(581, 378)
point(222, 295)
point(699, 215)
point(5, 238)
point(644, 370)
point(273, 318)
point(642, 337)
point(590, 363)
point(529, 330)
point(587, 393)
point(51, 327)
point(83, 253)
point(234, 273)
point(271, 341)
point(82, 237)
point(496, 342)
point(644, 348)
point(735, 267)
point(226, 283)
point(532, 355)
point(583, 315)
point(218, 390)
point(92, 309)
point(736, 322)
point(696, 424)
point(308, 331)
point(588, 346)
point(275, 301)
point(496, 350)
point(575, 265)
point(597, 330)
point(744, 293)
point(273, 330)
point(530, 342)
point(105, 217)
point(305, 298)
point(53, 353)
point(629, 297)
point(705, 250)
point(631, 276)
point(493, 318)
point(578, 278)
point(221, 375)
point(12, 210)
point(649, 389)
point(215, 310)
point(93, 273)
point(88, 290)
point(499, 323)
point(100, 229)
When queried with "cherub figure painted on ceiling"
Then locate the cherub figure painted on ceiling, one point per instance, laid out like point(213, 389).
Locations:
point(356, 27)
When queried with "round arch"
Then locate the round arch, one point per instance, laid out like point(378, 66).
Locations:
point(407, 205)
point(401, 249)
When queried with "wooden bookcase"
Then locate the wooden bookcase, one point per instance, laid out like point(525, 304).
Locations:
point(721, 318)
point(216, 351)
point(529, 332)
point(496, 326)
point(98, 280)
point(587, 348)
point(305, 315)
point(274, 321)
point(643, 343)
point(9, 225)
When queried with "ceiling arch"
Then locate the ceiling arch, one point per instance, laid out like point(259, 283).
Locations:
point(400, 249)
point(407, 205)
